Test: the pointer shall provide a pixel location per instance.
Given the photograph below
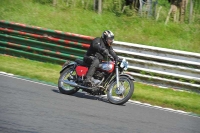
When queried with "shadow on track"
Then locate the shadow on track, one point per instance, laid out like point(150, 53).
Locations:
point(87, 96)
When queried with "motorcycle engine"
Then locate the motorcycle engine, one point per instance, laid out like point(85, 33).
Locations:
point(98, 75)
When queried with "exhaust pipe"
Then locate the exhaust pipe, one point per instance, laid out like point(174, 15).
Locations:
point(73, 84)
point(70, 83)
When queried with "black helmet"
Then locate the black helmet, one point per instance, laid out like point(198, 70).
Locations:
point(108, 37)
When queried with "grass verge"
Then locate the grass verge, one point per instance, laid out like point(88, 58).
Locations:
point(186, 101)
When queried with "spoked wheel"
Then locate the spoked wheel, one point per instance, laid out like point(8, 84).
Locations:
point(67, 75)
point(122, 94)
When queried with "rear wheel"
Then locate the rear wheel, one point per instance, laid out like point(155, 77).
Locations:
point(122, 94)
point(68, 75)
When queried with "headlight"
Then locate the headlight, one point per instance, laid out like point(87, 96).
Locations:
point(124, 64)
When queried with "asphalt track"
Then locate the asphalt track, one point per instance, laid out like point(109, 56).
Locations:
point(31, 107)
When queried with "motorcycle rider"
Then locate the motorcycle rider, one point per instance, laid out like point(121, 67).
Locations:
point(99, 49)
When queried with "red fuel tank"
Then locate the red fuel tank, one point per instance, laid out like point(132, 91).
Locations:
point(107, 66)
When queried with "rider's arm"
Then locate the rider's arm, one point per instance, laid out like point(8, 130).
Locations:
point(96, 45)
point(113, 54)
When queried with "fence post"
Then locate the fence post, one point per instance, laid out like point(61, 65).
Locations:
point(191, 11)
point(99, 6)
point(54, 2)
point(140, 8)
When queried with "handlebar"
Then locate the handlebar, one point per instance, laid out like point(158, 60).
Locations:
point(112, 59)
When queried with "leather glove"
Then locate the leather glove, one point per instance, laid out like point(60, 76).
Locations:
point(119, 59)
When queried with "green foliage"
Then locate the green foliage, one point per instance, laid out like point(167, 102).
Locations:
point(43, 1)
point(117, 7)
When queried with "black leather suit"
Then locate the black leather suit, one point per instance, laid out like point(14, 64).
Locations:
point(97, 51)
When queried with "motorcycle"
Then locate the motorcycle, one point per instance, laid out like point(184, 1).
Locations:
point(108, 78)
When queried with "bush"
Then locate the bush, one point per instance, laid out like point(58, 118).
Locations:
point(43, 1)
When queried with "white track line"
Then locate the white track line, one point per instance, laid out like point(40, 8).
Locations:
point(15, 76)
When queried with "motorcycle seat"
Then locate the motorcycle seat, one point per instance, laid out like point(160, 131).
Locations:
point(81, 62)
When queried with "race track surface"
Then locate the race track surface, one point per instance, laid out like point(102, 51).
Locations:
point(30, 107)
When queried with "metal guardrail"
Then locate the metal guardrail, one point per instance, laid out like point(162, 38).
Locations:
point(153, 65)
point(161, 66)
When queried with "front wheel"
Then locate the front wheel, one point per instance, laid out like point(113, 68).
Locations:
point(122, 94)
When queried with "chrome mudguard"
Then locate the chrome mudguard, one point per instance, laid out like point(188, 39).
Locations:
point(67, 65)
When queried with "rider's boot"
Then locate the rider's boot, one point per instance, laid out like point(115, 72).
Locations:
point(89, 75)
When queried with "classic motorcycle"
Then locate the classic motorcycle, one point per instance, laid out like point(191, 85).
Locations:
point(108, 78)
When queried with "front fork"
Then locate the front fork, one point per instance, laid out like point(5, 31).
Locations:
point(117, 76)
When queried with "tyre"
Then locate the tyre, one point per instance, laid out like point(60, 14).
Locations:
point(67, 74)
point(123, 94)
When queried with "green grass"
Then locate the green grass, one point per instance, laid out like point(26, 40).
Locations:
point(167, 98)
point(186, 101)
point(133, 29)
point(28, 68)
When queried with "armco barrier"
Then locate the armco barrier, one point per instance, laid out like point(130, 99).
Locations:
point(158, 66)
